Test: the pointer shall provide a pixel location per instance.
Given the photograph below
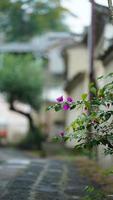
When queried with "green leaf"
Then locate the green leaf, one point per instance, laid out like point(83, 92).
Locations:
point(89, 189)
point(110, 137)
point(110, 74)
point(108, 151)
point(56, 139)
point(101, 92)
point(100, 77)
point(91, 84)
point(72, 107)
point(84, 96)
point(93, 90)
point(66, 138)
point(49, 108)
point(87, 104)
point(107, 115)
point(58, 107)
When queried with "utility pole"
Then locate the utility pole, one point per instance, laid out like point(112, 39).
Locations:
point(91, 46)
point(110, 9)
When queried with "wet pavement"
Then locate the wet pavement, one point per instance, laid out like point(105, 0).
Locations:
point(40, 180)
point(23, 178)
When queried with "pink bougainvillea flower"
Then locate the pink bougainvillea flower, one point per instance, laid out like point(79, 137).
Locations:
point(66, 107)
point(60, 99)
point(70, 99)
point(62, 134)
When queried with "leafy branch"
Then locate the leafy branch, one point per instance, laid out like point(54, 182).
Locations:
point(96, 117)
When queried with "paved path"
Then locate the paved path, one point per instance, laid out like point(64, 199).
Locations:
point(23, 177)
point(40, 180)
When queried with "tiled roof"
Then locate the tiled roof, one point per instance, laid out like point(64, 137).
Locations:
point(38, 44)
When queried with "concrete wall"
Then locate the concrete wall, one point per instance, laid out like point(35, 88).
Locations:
point(76, 92)
point(109, 67)
point(77, 60)
point(52, 122)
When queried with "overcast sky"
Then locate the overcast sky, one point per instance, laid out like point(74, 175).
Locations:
point(82, 9)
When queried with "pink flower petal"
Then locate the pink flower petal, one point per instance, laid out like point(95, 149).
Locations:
point(62, 133)
point(66, 107)
point(60, 99)
point(70, 99)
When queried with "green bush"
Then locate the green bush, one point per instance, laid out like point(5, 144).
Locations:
point(94, 194)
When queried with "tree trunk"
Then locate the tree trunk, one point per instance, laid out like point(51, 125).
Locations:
point(28, 115)
point(32, 128)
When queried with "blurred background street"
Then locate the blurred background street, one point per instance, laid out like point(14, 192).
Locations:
point(50, 49)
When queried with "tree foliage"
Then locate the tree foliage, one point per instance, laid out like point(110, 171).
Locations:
point(95, 124)
point(21, 79)
point(20, 20)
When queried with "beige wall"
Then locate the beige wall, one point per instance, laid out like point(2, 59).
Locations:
point(77, 63)
point(56, 123)
point(77, 60)
point(109, 68)
point(78, 90)
point(52, 122)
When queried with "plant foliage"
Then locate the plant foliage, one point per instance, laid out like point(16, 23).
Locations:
point(94, 126)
